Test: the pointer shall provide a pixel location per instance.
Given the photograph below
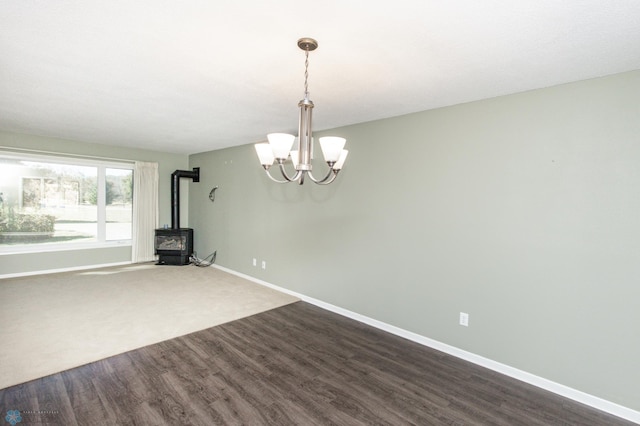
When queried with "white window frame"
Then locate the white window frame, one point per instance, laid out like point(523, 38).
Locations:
point(101, 166)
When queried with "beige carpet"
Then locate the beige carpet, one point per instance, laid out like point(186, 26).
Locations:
point(51, 323)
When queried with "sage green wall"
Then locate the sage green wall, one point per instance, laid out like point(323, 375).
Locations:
point(522, 210)
point(167, 164)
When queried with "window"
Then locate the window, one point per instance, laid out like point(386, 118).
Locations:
point(49, 203)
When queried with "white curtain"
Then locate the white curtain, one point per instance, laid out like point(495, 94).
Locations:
point(145, 211)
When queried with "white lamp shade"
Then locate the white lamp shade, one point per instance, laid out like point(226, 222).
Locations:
point(341, 160)
point(265, 153)
point(281, 144)
point(332, 147)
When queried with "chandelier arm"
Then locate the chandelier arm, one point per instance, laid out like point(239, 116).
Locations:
point(283, 172)
point(274, 179)
point(327, 182)
point(329, 177)
point(286, 176)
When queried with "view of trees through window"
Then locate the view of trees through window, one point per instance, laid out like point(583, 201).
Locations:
point(48, 202)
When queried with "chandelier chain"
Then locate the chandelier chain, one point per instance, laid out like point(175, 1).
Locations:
point(306, 73)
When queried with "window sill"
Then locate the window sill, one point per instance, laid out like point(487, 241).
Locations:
point(44, 248)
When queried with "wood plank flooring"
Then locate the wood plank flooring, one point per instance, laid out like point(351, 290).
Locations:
point(295, 365)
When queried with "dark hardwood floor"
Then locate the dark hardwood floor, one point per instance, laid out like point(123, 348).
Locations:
point(296, 365)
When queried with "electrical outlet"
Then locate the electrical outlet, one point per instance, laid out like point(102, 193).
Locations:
point(255, 262)
point(264, 264)
point(464, 319)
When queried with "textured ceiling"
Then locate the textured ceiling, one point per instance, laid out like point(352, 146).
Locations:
point(192, 76)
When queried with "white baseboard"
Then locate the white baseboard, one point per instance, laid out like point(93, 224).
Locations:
point(557, 388)
point(54, 271)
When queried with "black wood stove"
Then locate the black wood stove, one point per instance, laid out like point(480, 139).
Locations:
point(174, 246)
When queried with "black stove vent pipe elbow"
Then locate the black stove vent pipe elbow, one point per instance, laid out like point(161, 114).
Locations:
point(175, 192)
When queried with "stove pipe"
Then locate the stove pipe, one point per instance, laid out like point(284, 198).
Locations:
point(175, 192)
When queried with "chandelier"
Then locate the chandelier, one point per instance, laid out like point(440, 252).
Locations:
point(279, 147)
